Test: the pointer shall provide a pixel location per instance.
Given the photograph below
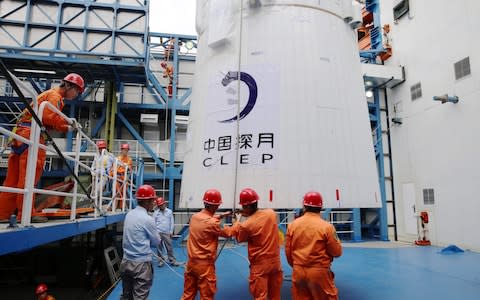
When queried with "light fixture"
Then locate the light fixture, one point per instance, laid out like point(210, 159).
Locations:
point(35, 71)
point(189, 45)
point(446, 98)
point(397, 121)
point(149, 118)
point(182, 120)
point(369, 94)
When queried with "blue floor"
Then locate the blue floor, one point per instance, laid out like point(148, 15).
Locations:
point(360, 274)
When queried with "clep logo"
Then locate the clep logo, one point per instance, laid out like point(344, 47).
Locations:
point(252, 88)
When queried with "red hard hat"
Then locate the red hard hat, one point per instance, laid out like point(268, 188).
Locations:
point(101, 144)
point(145, 192)
point(212, 196)
point(248, 196)
point(125, 146)
point(76, 80)
point(313, 199)
point(160, 201)
point(41, 288)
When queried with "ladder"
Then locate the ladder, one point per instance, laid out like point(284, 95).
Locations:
point(112, 260)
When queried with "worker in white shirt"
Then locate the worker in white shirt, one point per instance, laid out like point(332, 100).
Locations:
point(139, 236)
point(101, 166)
point(165, 225)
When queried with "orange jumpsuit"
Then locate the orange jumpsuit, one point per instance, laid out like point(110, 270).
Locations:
point(310, 247)
point(260, 230)
point(17, 161)
point(168, 72)
point(202, 251)
point(126, 160)
point(121, 175)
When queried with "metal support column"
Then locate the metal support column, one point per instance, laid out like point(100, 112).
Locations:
point(356, 225)
point(173, 128)
point(376, 43)
point(108, 115)
point(382, 212)
point(111, 104)
point(71, 114)
point(113, 113)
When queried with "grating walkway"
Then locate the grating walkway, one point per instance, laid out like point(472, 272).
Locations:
point(378, 271)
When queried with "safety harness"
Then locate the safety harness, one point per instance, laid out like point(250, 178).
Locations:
point(19, 147)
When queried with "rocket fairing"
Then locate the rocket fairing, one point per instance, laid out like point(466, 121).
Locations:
point(278, 105)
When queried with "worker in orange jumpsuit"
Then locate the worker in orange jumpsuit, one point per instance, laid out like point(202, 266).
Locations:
point(121, 172)
point(202, 249)
point(168, 73)
point(310, 247)
point(42, 292)
point(10, 203)
point(260, 230)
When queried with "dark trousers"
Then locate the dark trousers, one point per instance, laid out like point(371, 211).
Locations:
point(137, 278)
point(166, 242)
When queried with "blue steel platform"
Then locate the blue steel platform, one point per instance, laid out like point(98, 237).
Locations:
point(102, 40)
point(388, 272)
point(20, 239)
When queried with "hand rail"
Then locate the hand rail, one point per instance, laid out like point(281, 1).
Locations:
point(34, 144)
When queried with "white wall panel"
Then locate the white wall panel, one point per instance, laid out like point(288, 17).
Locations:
point(8, 7)
point(71, 40)
point(129, 45)
point(12, 36)
point(149, 98)
point(45, 13)
point(437, 145)
point(124, 21)
point(101, 18)
point(129, 2)
point(187, 67)
point(185, 81)
point(72, 15)
point(151, 132)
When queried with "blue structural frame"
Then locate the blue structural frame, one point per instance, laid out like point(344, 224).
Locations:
point(135, 69)
point(376, 122)
point(26, 238)
point(173, 104)
point(111, 64)
point(376, 43)
point(43, 44)
point(380, 222)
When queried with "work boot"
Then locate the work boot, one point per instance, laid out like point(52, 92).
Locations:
point(176, 263)
point(39, 219)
